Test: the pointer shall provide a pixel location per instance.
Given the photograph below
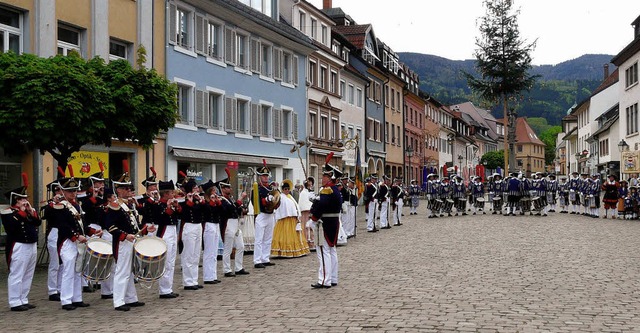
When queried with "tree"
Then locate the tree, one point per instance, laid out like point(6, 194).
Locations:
point(494, 159)
point(62, 103)
point(503, 61)
point(549, 137)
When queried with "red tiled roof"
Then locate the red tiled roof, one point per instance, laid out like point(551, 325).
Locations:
point(525, 134)
point(611, 79)
point(354, 33)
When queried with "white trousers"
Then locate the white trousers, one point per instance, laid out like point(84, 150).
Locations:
point(192, 240)
point(54, 277)
point(211, 238)
point(384, 216)
point(165, 284)
point(232, 238)
point(124, 291)
point(371, 216)
point(106, 286)
point(349, 220)
point(23, 264)
point(397, 213)
point(71, 285)
point(264, 237)
point(327, 261)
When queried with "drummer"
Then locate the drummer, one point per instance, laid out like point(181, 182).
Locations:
point(563, 195)
point(21, 223)
point(552, 189)
point(121, 220)
point(477, 192)
point(414, 197)
point(432, 193)
point(444, 193)
point(459, 195)
point(514, 194)
point(574, 188)
point(496, 189)
point(540, 187)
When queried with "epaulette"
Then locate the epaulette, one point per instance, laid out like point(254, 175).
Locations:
point(6, 211)
point(326, 190)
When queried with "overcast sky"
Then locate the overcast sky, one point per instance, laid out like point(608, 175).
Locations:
point(564, 29)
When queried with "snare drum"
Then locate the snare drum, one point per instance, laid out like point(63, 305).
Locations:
point(572, 195)
point(448, 205)
point(150, 254)
point(98, 260)
point(538, 203)
point(525, 204)
point(479, 202)
point(437, 204)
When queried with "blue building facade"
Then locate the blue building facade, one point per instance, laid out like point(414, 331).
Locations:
point(241, 89)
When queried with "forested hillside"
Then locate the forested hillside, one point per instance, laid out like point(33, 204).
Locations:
point(557, 89)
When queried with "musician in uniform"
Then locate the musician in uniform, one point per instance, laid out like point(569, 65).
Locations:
point(496, 190)
point(121, 219)
point(459, 195)
point(370, 192)
point(92, 204)
point(414, 196)
point(596, 189)
point(265, 220)
point(325, 214)
point(445, 193)
point(383, 202)
point(574, 188)
point(21, 222)
point(477, 193)
point(352, 203)
point(432, 192)
point(610, 199)
point(396, 195)
point(211, 232)
point(552, 190)
point(514, 193)
point(584, 190)
point(540, 187)
point(70, 235)
point(230, 212)
point(563, 195)
point(191, 234)
point(623, 190)
point(54, 273)
point(304, 202)
point(165, 214)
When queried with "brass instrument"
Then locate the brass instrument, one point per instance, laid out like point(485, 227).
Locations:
point(275, 203)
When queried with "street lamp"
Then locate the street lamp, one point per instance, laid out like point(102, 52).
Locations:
point(623, 146)
point(409, 153)
point(460, 162)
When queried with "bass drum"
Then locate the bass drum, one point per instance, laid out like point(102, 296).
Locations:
point(150, 254)
point(97, 260)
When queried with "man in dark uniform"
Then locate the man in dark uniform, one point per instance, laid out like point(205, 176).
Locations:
point(370, 204)
point(265, 220)
point(325, 213)
point(397, 201)
point(21, 223)
point(383, 202)
point(230, 212)
point(191, 235)
point(514, 193)
point(165, 213)
point(54, 276)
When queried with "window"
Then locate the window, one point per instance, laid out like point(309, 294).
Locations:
point(266, 55)
point(632, 119)
point(313, 71)
point(386, 132)
point(183, 28)
point(323, 127)
point(393, 134)
point(263, 6)
point(377, 131)
point(242, 116)
point(631, 75)
point(323, 77)
point(359, 97)
point(324, 34)
point(68, 40)
point(399, 101)
point(10, 31)
point(302, 21)
point(369, 129)
point(214, 42)
point(334, 129)
point(118, 50)
point(242, 51)
point(215, 110)
point(393, 98)
point(378, 92)
point(289, 125)
point(333, 81)
point(342, 90)
point(519, 148)
point(351, 94)
point(312, 123)
point(266, 119)
point(314, 28)
point(184, 103)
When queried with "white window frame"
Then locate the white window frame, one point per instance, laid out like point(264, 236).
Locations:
point(351, 94)
point(268, 117)
point(313, 127)
point(246, 101)
point(314, 28)
point(302, 21)
point(359, 97)
point(322, 77)
point(221, 95)
point(324, 34)
point(266, 64)
point(67, 46)
point(191, 86)
point(243, 61)
point(215, 54)
point(313, 72)
point(333, 130)
point(6, 31)
point(185, 43)
point(287, 118)
point(127, 50)
point(631, 75)
point(333, 79)
point(632, 119)
point(343, 90)
point(324, 124)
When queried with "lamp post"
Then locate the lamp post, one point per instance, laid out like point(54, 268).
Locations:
point(409, 153)
point(450, 141)
point(460, 163)
point(622, 147)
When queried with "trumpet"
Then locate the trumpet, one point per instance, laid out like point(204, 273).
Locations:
point(154, 195)
point(98, 192)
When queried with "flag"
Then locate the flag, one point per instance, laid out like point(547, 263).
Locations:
point(359, 182)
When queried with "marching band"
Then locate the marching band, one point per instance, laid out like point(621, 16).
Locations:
point(193, 219)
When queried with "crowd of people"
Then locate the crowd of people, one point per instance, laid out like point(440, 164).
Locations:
point(189, 219)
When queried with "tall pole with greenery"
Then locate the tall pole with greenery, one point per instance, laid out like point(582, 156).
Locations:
point(502, 60)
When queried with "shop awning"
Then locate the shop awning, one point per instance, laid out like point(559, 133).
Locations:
point(210, 156)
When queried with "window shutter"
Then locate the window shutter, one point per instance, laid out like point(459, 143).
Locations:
point(172, 23)
point(206, 114)
point(234, 115)
point(277, 64)
point(254, 119)
point(277, 124)
point(229, 46)
point(255, 55)
point(229, 106)
point(200, 108)
point(200, 31)
point(294, 70)
point(294, 124)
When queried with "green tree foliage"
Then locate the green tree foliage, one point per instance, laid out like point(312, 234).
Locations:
point(503, 59)
point(549, 137)
point(494, 159)
point(61, 103)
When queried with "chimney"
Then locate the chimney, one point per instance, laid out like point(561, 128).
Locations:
point(606, 71)
point(327, 4)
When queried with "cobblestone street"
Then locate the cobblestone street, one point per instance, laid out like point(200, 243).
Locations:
point(487, 273)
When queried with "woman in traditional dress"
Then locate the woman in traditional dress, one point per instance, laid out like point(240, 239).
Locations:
point(288, 239)
point(610, 199)
point(304, 203)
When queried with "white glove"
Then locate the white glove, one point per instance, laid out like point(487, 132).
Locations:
point(298, 226)
point(270, 198)
point(312, 196)
point(310, 224)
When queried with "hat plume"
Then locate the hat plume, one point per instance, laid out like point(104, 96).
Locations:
point(101, 166)
point(153, 171)
point(60, 171)
point(70, 167)
point(329, 157)
point(25, 180)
